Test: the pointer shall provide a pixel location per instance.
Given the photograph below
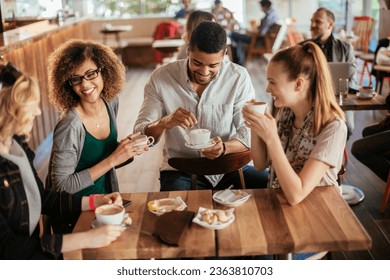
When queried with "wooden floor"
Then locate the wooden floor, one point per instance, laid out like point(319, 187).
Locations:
point(376, 224)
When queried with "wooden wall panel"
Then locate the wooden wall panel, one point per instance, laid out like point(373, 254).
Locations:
point(32, 59)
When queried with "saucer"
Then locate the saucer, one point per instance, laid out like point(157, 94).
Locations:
point(230, 198)
point(96, 224)
point(200, 146)
point(359, 96)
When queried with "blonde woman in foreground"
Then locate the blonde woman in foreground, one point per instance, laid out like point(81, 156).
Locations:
point(304, 144)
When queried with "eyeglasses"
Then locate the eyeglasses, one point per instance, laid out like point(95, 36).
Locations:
point(90, 75)
point(9, 75)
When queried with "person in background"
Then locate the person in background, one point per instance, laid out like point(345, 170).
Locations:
point(193, 20)
point(84, 80)
point(304, 143)
point(203, 91)
point(185, 10)
point(373, 150)
point(22, 196)
point(335, 50)
point(266, 23)
point(223, 16)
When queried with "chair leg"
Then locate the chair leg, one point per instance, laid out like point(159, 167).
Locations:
point(193, 182)
point(242, 179)
point(386, 195)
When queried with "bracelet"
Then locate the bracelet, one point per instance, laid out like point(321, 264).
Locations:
point(92, 201)
point(224, 149)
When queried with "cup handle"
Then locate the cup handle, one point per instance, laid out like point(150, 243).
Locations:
point(151, 140)
point(187, 138)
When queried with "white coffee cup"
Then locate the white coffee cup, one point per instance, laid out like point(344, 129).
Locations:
point(257, 106)
point(147, 139)
point(198, 136)
point(366, 91)
point(110, 214)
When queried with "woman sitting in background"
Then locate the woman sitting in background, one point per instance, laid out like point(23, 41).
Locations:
point(84, 81)
point(22, 196)
point(304, 144)
point(193, 20)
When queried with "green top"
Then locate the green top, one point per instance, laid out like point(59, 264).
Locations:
point(94, 151)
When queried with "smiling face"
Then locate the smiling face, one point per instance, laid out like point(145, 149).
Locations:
point(320, 26)
point(88, 90)
point(279, 86)
point(204, 66)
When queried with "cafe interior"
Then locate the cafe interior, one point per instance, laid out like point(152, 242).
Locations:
point(32, 29)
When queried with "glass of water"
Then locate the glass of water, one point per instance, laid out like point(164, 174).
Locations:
point(343, 90)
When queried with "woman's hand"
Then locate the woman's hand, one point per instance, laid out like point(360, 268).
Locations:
point(263, 125)
point(128, 148)
point(111, 198)
point(104, 235)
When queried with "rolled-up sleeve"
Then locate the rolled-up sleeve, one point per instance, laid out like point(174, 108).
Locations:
point(245, 93)
point(152, 108)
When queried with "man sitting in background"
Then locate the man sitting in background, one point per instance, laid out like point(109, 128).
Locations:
point(335, 50)
point(202, 91)
point(186, 10)
point(223, 16)
point(266, 23)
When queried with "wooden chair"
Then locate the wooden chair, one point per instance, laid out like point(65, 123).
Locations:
point(269, 39)
point(385, 195)
point(293, 35)
point(203, 166)
point(362, 27)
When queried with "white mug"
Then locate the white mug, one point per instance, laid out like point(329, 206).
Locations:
point(257, 106)
point(110, 214)
point(198, 136)
point(144, 142)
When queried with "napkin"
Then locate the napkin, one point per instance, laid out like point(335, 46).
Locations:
point(171, 227)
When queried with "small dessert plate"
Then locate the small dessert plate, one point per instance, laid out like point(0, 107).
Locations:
point(231, 197)
point(200, 147)
point(165, 205)
point(217, 224)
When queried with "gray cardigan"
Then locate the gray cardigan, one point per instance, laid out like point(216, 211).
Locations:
point(68, 142)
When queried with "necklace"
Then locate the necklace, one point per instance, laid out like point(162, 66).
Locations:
point(97, 117)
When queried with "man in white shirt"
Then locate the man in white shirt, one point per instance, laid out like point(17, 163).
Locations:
point(203, 91)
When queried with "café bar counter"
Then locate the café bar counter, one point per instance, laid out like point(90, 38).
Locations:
point(28, 47)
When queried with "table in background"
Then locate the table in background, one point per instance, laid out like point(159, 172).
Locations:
point(353, 103)
point(115, 30)
point(265, 224)
point(168, 45)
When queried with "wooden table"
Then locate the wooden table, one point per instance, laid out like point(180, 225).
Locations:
point(168, 45)
point(355, 104)
point(265, 224)
point(115, 30)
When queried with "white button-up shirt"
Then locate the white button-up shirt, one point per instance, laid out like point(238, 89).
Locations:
point(218, 109)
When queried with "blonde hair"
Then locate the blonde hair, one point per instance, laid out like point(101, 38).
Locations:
point(14, 101)
point(309, 61)
point(68, 58)
point(193, 20)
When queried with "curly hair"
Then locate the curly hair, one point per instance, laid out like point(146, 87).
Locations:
point(15, 106)
point(68, 58)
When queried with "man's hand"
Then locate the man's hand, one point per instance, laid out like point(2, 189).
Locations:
point(180, 117)
point(215, 151)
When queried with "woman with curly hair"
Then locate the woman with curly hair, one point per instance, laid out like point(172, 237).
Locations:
point(84, 80)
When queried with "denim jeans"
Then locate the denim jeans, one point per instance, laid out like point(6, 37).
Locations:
point(176, 180)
